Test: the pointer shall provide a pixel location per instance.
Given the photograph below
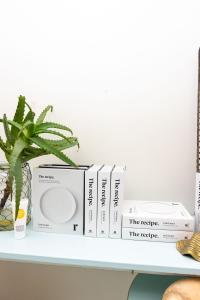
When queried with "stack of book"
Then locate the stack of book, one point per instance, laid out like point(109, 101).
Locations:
point(104, 187)
point(156, 221)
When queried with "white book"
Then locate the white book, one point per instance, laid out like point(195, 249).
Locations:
point(91, 189)
point(58, 199)
point(155, 235)
point(156, 215)
point(103, 201)
point(197, 203)
point(116, 199)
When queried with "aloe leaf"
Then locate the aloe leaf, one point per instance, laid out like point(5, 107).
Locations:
point(32, 152)
point(43, 114)
point(3, 146)
point(13, 123)
point(19, 115)
point(29, 117)
point(48, 125)
point(7, 131)
point(28, 105)
point(29, 156)
point(18, 176)
point(53, 132)
point(64, 143)
point(6, 192)
point(32, 149)
point(24, 129)
point(19, 146)
point(49, 148)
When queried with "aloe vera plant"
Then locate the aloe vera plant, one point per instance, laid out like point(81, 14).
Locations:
point(25, 140)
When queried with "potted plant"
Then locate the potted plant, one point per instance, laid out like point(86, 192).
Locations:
point(25, 140)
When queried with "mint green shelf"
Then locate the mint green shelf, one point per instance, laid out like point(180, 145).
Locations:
point(60, 249)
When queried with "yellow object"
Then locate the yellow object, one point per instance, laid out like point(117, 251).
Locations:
point(5, 222)
point(190, 247)
point(21, 214)
point(20, 222)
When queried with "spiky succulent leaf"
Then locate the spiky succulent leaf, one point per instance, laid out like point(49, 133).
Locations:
point(19, 115)
point(13, 123)
point(49, 125)
point(64, 143)
point(52, 132)
point(30, 156)
point(32, 152)
point(26, 104)
point(29, 117)
point(19, 146)
point(43, 114)
point(32, 149)
point(7, 131)
point(18, 176)
point(49, 148)
point(3, 146)
point(24, 129)
point(16, 170)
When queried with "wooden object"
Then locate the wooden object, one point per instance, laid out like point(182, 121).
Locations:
point(184, 289)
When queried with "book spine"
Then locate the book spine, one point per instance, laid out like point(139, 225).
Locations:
point(155, 235)
point(103, 204)
point(197, 203)
point(91, 203)
point(116, 198)
point(186, 224)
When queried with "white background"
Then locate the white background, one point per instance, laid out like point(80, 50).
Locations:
point(123, 76)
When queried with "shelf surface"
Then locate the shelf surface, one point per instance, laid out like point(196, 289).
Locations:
point(60, 249)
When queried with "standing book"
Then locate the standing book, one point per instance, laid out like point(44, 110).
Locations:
point(91, 190)
point(116, 199)
point(104, 179)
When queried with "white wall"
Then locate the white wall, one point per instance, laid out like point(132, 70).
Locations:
point(122, 74)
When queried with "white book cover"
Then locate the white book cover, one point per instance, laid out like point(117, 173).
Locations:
point(197, 203)
point(91, 189)
point(104, 177)
point(58, 199)
point(156, 215)
point(116, 199)
point(155, 235)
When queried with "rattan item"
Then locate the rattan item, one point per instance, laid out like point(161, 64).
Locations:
point(190, 247)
